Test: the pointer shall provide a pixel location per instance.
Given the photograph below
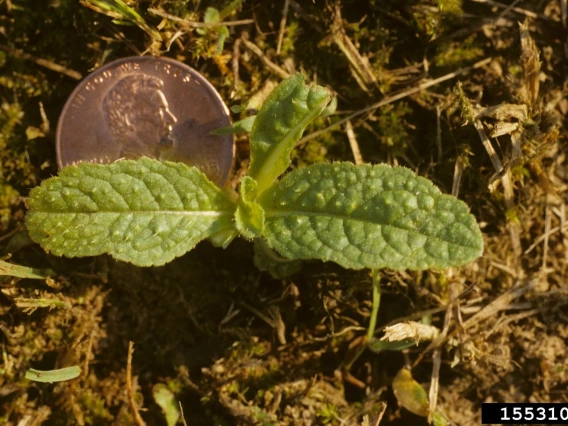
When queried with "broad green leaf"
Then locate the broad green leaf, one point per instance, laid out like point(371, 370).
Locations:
point(368, 217)
point(51, 376)
point(279, 124)
point(145, 212)
point(249, 217)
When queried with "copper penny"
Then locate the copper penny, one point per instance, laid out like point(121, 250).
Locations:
point(144, 106)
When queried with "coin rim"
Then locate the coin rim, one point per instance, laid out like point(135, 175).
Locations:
point(189, 69)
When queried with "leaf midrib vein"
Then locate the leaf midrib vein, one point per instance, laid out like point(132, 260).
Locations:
point(288, 213)
point(209, 213)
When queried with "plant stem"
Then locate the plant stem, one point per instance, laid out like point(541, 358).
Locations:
point(373, 319)
point(376, 304)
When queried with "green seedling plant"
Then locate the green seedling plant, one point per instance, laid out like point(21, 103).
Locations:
point(148, 212)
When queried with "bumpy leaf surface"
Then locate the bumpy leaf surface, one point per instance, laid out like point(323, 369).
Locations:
point(368, 217)
point(279, 124)
point(145, 212)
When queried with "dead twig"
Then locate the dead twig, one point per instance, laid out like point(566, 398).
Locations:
point(339, 333)
point(515, 146)
point(544, 237)
point(270, 65)
point(235, 64)
point(301, 13)
point(129, 391)
point(449, 308)
point(194, 24)
point(353, 143)
point(458, 172)
point(495, 160)
point(396, 97)
point(377, 419)
point(88, 353)
point(500, 303)
point(434, 382)
point(563, 225)
point(530, 63)
point(273, 319)
point(439, 132)
point(547, 225)
point(11, 234)
point(181, 413)
point(43, 62)
point(525, 12)
point(359, 65)
point(282, 26)
point(434, 311)
point(511, 318)
point(506, 182)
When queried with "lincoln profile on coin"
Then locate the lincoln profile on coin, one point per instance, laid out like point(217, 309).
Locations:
point(138, 116)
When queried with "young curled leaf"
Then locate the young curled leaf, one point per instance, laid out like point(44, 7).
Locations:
point(368, 217)
point(145, 212)
point(249, 217)
point(279, 124)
